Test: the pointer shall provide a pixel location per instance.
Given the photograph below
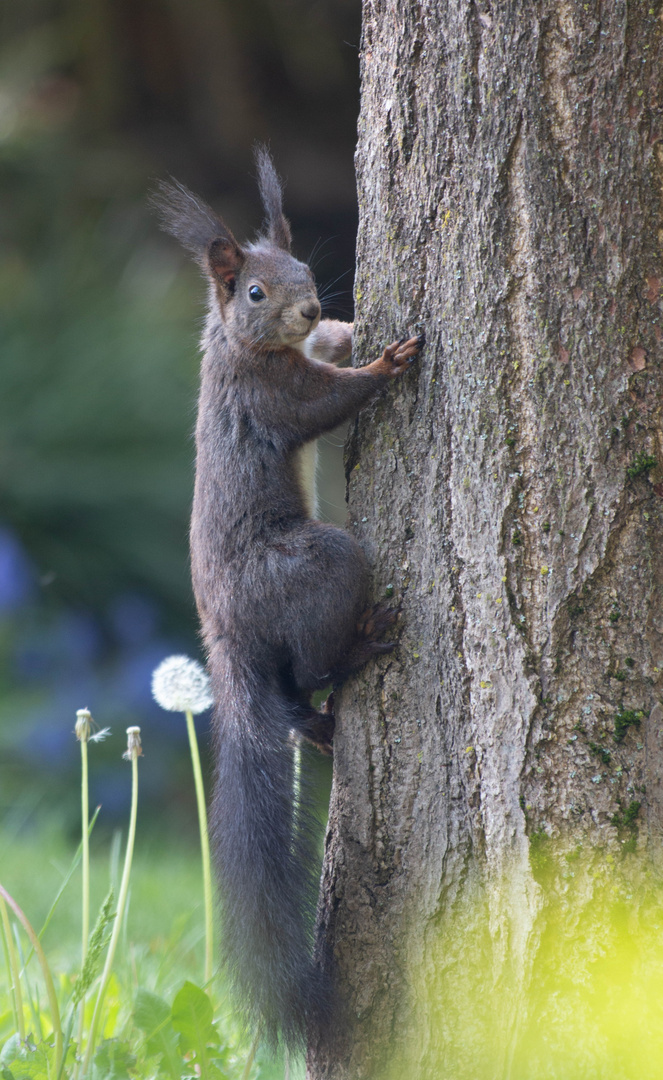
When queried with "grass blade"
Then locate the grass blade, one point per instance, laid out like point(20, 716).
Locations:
point(51, 911)
point(12, 970)
point(74, 865)
point(34, 1009)
point(46, 972)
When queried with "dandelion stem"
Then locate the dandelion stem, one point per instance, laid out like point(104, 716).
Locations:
point(85, 900)
point(181, 685)
point(85, 836)
point(204, 846)
point(12, 964)
point(46, 972)
point(121, 904)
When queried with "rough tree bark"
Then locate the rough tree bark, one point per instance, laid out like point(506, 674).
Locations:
point(510, 495)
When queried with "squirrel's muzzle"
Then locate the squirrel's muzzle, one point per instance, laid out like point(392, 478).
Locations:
point(310, 310)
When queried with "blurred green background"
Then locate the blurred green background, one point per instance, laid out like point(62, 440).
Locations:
point(99, 319)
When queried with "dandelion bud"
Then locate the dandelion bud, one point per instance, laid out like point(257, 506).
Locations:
point(83, 724)
point(181, 685)
point(134, 749)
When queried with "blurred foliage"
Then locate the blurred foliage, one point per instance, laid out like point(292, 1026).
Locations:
point(98, 322)
point(577, 995)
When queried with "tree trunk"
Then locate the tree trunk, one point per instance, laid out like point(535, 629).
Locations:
point(509, 493)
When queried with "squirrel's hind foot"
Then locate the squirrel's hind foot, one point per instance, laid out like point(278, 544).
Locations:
point(318, 727)
point(372, 624)
point(375, 621)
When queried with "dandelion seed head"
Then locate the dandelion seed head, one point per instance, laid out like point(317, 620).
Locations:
point(86, 729)
point(134, 748)
point(83, 724)
point(180, 684)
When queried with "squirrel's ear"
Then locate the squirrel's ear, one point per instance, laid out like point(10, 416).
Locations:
point(190, 220)
point(224, 261)
point(271, 193)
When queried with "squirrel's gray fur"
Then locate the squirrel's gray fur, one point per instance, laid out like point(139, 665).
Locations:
point(282, 599)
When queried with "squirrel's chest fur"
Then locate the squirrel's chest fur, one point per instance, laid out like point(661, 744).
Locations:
point(248, 494)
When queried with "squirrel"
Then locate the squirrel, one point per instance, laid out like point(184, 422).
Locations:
point(282, 599)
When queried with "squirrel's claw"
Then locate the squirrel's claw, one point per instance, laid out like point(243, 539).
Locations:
point(404, 352)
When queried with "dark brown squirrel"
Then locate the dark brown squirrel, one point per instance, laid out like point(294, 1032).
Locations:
point(283, 599)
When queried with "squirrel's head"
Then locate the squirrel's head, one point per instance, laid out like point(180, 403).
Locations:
point(266, 298)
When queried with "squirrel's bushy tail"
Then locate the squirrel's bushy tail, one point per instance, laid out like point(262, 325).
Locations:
point(266, 859)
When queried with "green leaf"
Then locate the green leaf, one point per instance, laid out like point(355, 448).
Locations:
point(152, 1016)
point(29, 1063)
point(97, 943)
point(112, 1061)
point(212, 1072)
point(218, 1069)
point(10, 1050)
point(192, 1020)
point(151, 1012)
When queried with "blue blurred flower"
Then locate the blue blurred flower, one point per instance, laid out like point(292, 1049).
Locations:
point(60, 650)
point(133, 618)
point(17, 578)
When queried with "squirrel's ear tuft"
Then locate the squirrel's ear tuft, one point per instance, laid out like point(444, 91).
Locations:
point(271, 193)
point(190, 220)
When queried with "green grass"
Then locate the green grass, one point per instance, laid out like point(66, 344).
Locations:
point(165, 905)
point(161, 949)
point(137, 995)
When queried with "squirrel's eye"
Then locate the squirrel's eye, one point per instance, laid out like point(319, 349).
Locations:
point(256, 293)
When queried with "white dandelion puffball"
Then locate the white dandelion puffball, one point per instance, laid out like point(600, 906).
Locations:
point(180, 684)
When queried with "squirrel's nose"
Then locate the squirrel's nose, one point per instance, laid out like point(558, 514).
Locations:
point(310, 310)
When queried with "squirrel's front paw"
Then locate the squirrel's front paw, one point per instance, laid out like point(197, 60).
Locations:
point(398, 356)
